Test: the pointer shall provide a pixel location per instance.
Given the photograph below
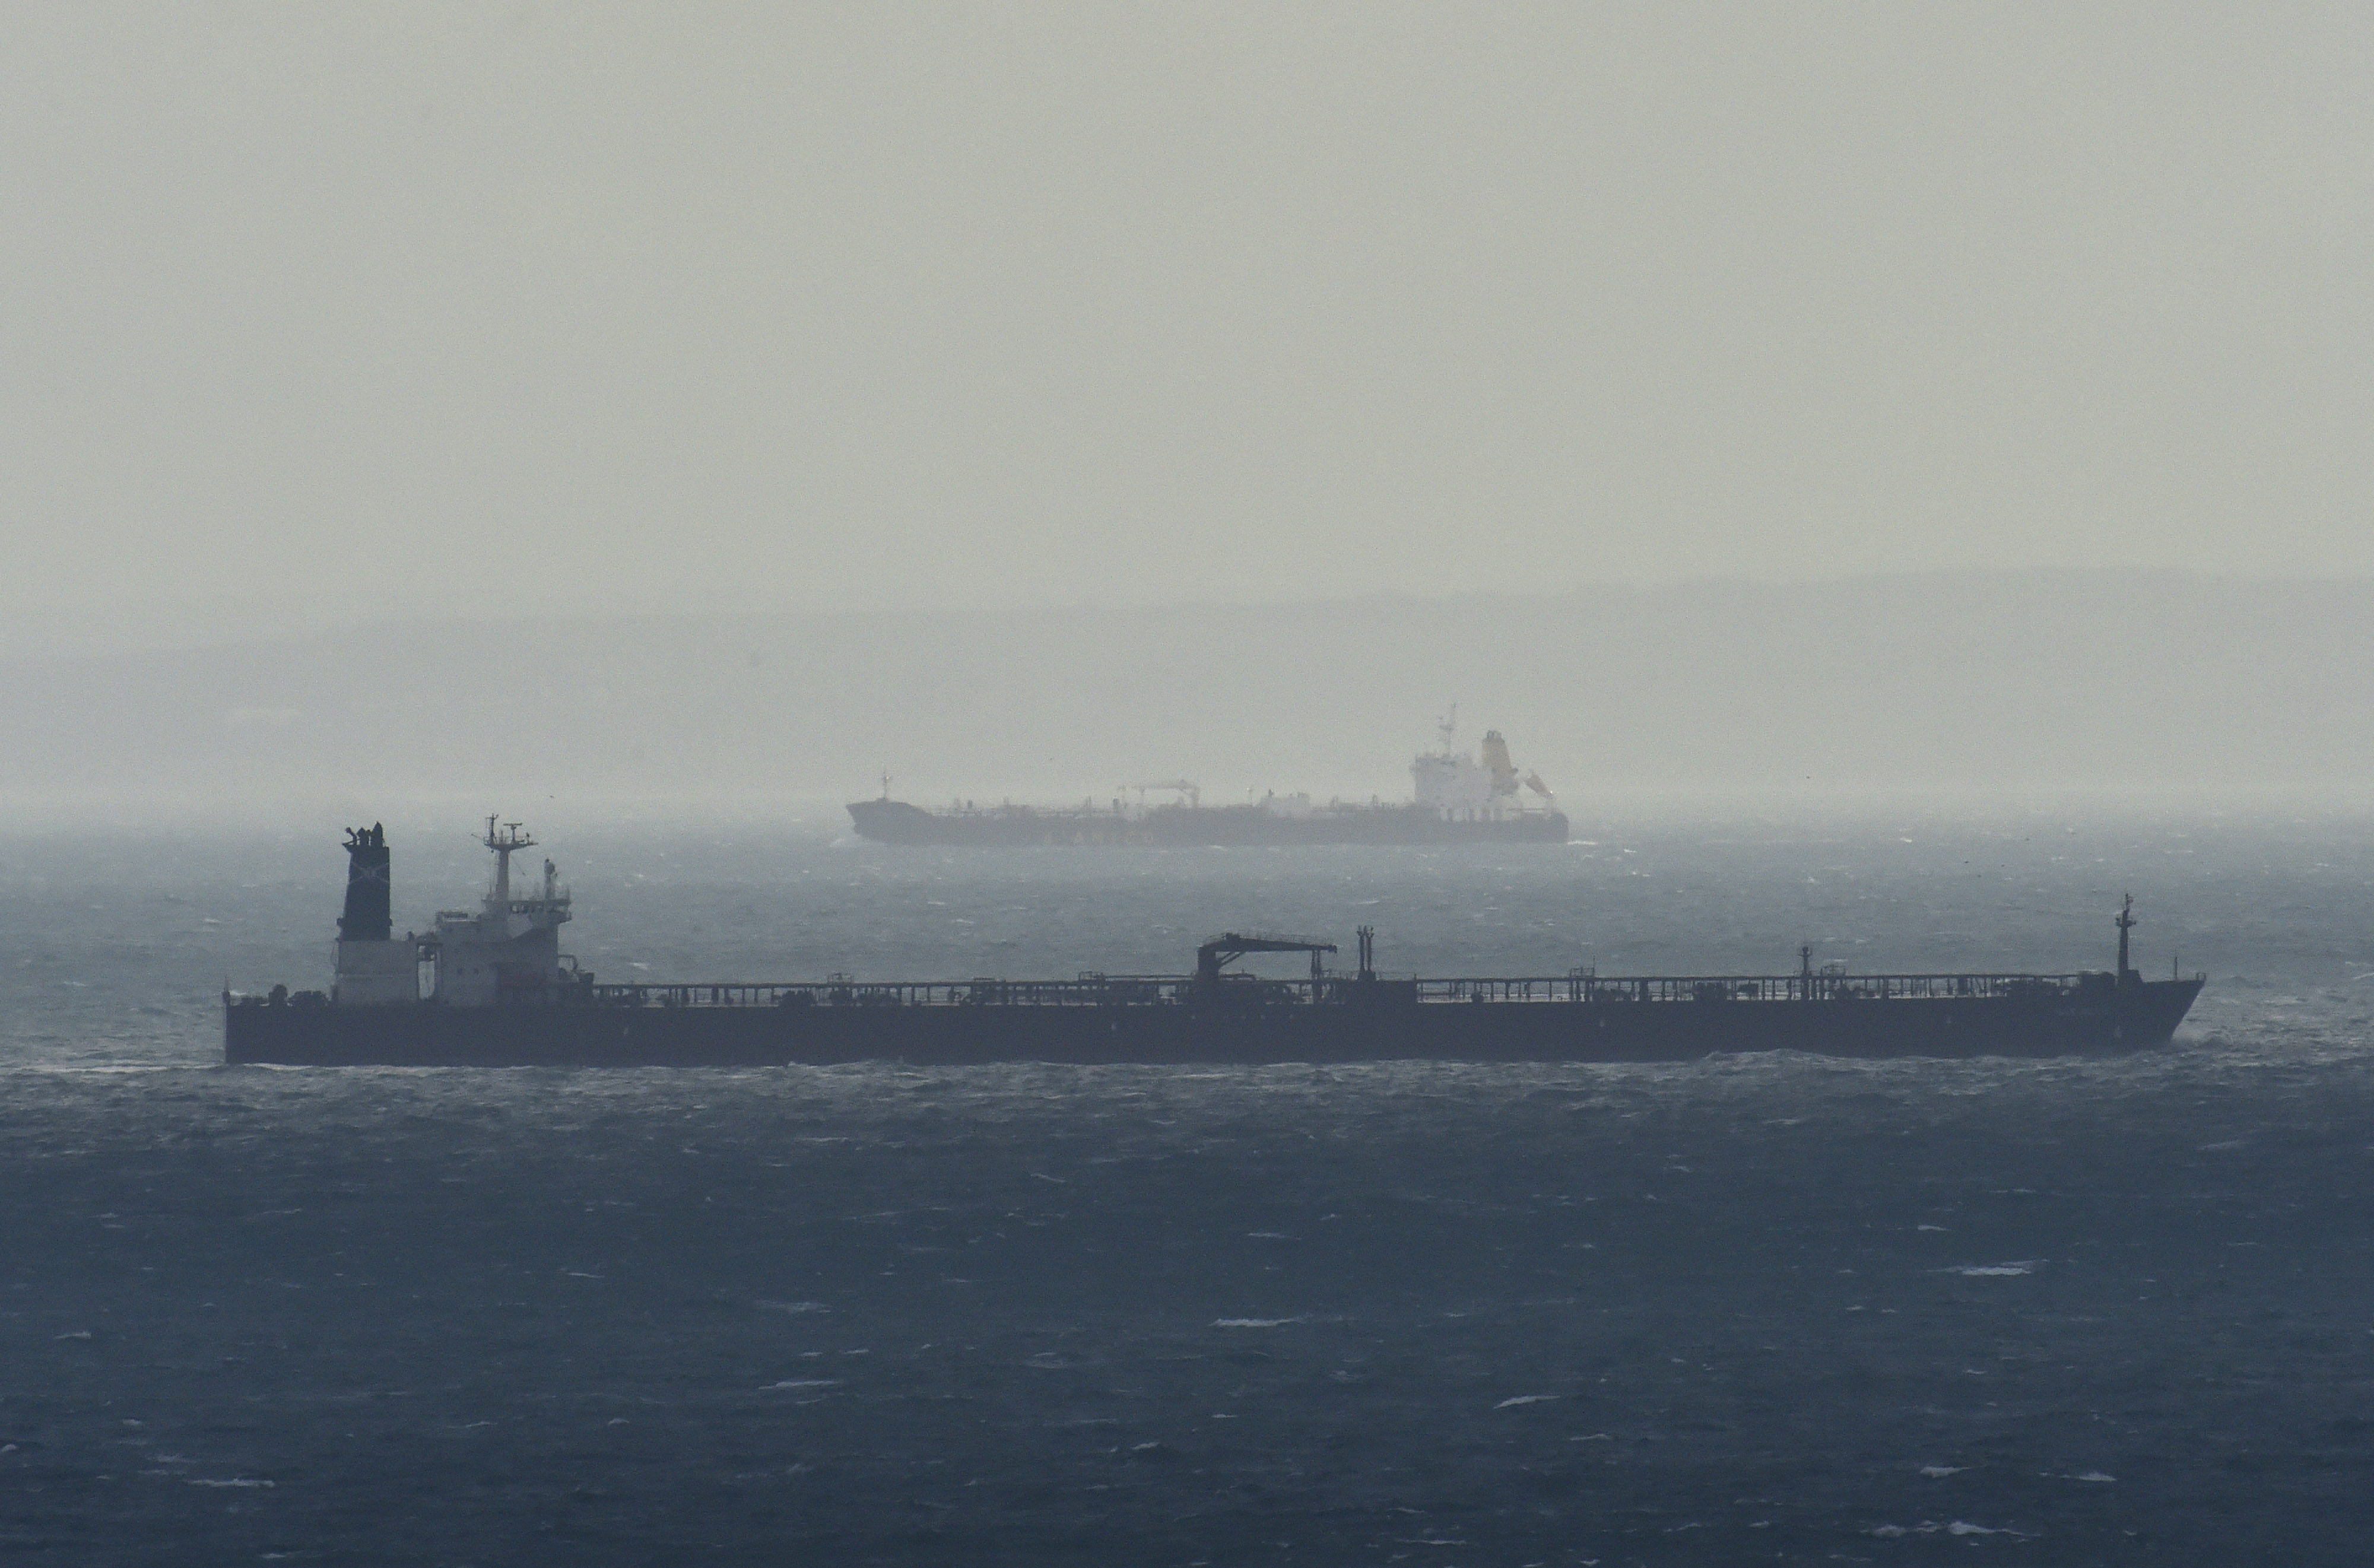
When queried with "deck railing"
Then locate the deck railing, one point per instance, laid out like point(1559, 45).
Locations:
point(1161, 990)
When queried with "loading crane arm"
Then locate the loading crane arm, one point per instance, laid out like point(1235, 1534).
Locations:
point(1230, 946)
point(1184, 788)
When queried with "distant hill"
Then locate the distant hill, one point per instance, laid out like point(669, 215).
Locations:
point(1956, 681)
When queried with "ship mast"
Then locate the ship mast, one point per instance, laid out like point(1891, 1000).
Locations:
point(503, 844)
point(2126, 924)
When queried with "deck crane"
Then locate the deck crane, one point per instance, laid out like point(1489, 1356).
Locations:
point(1230, 946)
point(1186, 791)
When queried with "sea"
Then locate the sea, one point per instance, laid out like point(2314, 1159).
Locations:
point(1763, 1307)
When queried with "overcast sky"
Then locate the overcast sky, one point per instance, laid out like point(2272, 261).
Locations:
point(463, 309)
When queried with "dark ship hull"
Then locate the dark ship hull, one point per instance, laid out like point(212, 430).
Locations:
point(505, 997)
point(1194, 827)
point(1185, 1021)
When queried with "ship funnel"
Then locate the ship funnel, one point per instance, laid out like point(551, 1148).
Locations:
point(365, 918)
point(1495, 757)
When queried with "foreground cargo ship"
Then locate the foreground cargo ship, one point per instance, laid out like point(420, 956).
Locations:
point(491, 988)
point(1459, 797)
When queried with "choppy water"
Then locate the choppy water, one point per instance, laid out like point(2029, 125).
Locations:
point(1748, 1309)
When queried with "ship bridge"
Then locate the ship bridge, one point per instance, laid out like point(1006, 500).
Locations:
point(1476, 787)
point(509, 949)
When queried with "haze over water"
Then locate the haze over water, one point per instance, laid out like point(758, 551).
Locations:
point(1748, 1308)
point(601, 414)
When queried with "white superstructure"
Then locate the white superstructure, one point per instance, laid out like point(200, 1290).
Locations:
point(376, 975)
point(509, 949)
point(1474, 788)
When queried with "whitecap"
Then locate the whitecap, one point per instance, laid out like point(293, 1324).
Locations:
point(1526, 1399)
point(1930, 1527)
point(803, 1383)
point(1938, 1472)
point(1254, 1321)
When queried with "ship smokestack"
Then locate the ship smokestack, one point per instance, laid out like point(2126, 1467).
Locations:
point(371, 969)
point(1495, 757)
point(366, 918)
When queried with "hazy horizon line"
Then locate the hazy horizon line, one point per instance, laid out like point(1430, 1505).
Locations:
point(48, 811)
point(298, 622)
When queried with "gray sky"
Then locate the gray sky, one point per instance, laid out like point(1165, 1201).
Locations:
point(463, 309)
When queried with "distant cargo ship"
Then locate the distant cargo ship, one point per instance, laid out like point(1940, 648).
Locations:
point(1458, 799)
point(491, 987)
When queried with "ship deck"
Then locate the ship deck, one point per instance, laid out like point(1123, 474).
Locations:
point(1157, 990)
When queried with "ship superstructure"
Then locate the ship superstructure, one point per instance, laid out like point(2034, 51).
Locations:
point(1482, 787)
point(502, 993)
point(1458, 796)
point(508, 949)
